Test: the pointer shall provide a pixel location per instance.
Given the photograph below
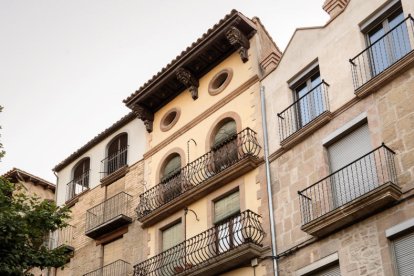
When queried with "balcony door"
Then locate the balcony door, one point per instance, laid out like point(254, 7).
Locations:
point(81, 177)
point(228, 223)
point(117, 153)
point(171, 179)
point(173, 263)
point(352, 175)
point(389, 42)
point(310, 100)
point(225, 146)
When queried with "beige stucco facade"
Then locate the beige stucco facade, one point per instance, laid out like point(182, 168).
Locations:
point(384, 102)
point(191, 137)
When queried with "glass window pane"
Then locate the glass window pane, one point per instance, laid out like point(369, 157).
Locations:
point(225, 131)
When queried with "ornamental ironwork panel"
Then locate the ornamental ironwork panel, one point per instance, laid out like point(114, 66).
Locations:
point(303, 111)
point(360, 177)
point(206, 247)
point(111, 208)
point(232, 150)
point(383, 53)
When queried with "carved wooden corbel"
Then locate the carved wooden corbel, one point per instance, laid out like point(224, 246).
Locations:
point(239, 40)
point(145, 115)
point(188, 79)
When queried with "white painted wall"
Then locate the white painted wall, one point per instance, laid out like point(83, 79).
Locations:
point(136, 142)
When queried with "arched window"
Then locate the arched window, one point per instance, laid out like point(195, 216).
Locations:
point(224, 145)
point(117, 153)
point(80, 180)
point(224, 133)
point(171, 167)
point(170, 177)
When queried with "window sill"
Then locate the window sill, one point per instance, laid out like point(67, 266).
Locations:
point(354, 210)
point(384, 77)
point(110, 178)
point(71, 202)
point(301, 134)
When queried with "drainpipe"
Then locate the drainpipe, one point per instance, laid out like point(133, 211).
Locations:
point(52, 271)
point(268, 181)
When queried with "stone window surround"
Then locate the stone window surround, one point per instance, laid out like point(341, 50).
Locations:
point(164, 225)
point(215, 91)
point(328, 260)
point(303, 74)
point(378, 15)
point(218, 123)
point(399, 229)
point(217, 195)
point(161, 164)
point(165, 127)
point(345, 129)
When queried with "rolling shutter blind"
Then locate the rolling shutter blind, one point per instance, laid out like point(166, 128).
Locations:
point(330, 271)
point(172, 236)
point(350, 148)
point(404, 255)
point(226, 207)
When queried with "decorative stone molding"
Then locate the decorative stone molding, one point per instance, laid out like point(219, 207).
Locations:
point(239, 40)
point(220, 81)
point(189, 80)
point(334, 7)
point(145, 115)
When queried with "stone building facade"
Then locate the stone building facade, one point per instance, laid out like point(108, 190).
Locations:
point(179, 186)
point(205, 209)
point(340, 122)
point(100, 182)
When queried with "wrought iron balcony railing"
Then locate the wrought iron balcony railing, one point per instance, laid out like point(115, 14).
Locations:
point(77, 186)
point(110, 210)
point(347, 184)
point(303, 111)
point(61, 237)
point(114, 162)
point(221, 157)
point(117, 268)
point(384, 52)
point(206, 247)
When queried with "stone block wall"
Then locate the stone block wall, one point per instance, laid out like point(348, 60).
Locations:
point(90, 254)
point(362, 247)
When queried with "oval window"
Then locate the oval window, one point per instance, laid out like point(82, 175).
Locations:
point(169, 119)
point(220, 81)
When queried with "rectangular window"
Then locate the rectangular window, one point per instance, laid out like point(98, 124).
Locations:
point(350, 181)
point(310, 98)
point(404, 255)
point(172, 236)
point(388, 41)
point(228, 230)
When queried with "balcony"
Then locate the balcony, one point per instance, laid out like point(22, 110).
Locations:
point(62, 238)
point(229, 160)
point(232, 243)
point(76, 187)
point(114, 167)
point(390, 54)
point(108, 216)
point(351, 193)
point(308, 113)
point(117, 268)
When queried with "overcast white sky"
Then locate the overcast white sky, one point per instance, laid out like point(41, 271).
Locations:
point(66, 65)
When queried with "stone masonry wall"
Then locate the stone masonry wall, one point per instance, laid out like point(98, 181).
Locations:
point(362, 247)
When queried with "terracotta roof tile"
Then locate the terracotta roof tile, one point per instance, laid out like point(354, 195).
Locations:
point(16, 173)
point(98, 138)
point(181, 55)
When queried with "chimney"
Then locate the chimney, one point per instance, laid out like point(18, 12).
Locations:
point(334, 7)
